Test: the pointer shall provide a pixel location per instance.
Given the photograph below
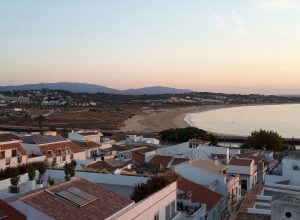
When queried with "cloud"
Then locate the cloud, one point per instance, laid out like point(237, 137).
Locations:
point(276, 5)
point(219, 20)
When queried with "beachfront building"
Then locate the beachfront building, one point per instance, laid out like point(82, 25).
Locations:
point(246, 169)
point(94, 136)
point(213, 176)
point(81, 199)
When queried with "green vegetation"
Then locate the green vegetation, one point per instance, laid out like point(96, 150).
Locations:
point(31, 172)
point(265, 140)
point(69, 169)
point(42, 170)
point(15, 176)
point(153, 184)
point(180, 135)
point(6, 173)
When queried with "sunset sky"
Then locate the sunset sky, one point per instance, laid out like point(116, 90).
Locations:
point(241, 46)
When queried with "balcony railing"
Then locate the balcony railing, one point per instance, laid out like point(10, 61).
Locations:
point(190, 208)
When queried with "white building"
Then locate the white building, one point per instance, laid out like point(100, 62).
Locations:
point(213, 176)
point(246, 169)
point(94, 136)
point(81, 199)
point(199, 150)
point(139, 139)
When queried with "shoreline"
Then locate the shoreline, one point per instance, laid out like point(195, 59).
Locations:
point(162, 119)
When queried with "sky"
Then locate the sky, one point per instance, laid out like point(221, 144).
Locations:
point(248, 46)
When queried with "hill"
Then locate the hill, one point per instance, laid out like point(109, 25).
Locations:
point(93, 88)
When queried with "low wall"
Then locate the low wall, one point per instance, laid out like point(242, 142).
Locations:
point(4, 184)
point(59, 175)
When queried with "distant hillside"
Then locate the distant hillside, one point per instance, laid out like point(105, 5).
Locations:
point(92, 88)
point(155, 90)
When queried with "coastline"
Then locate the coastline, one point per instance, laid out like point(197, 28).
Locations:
point(158, 120)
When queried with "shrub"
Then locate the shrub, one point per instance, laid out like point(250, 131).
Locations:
point(15, 177)
point(31, 173)
point(42, 170)
point(153, 184)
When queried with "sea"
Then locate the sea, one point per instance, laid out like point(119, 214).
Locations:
point(284, 119)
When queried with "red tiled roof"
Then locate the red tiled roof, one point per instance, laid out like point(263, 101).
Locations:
point(10, 212)
point(88, 133)
point(87, 144)
point(110, 167)
point(199, 194)
point(146, 149)
point(55, 147)
point(161, 160)
point(240, 162)
point(107, 203)
point(137, 157)
point(8, 137)
point(249, 156)
point(179, 160)
point(8, 146)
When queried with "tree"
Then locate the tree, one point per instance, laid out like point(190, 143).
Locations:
point(265, 140)
point(31, 173)
point(180, 135)
point(42, 170)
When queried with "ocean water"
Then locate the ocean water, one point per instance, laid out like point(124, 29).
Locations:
point(284, 119)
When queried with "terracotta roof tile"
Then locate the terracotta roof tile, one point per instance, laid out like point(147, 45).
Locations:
point(56, 147)
point(89, 133)
point(10, 212)
point(161, 160)
point(16, 145)
point(240, 162)
point(107, 203)
point(87, 144)
point(199, 194)
point(179, 160)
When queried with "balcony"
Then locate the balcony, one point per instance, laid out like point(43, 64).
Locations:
point(191, 209)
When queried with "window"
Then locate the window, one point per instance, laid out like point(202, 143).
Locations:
point(49, 153)
point(2, 154)
point(14, 153)
point(156, 216)
point(168, 212)
point(173, 209)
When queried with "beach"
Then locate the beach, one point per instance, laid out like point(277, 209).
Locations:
point(162, 119)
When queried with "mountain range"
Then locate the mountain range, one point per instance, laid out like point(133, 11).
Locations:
point(93, 88)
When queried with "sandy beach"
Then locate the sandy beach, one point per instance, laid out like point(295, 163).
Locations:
point(158, 120)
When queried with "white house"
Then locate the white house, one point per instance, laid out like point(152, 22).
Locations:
point(197, 150)
point(246, 169)
point(133, 138)
point(94, 136)
point(213, 176)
